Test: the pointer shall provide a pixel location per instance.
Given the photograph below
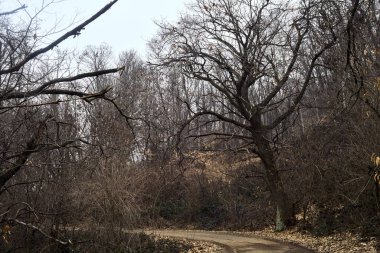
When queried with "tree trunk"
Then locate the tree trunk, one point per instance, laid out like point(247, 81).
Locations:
point(283, 210)
point(279, 196)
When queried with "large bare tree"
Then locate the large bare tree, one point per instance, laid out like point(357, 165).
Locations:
point(258, 59)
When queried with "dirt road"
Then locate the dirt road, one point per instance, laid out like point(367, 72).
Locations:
point(234, 243)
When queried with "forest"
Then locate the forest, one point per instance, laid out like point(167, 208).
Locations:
point(246, 115)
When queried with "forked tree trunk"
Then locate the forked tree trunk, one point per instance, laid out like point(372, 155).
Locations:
point(279, 196)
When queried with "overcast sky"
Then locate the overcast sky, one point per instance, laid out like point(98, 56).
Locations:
point(127, 25)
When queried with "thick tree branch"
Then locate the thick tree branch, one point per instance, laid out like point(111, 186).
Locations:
point(42, 89)
point(74, 32)
point(13, 11)
point(214, 114)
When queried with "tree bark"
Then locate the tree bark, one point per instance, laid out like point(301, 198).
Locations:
point(283, 207)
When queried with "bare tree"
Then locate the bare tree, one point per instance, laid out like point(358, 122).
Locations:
point(360, 53)
point(39, 86)
point(258, 59)
point(22, 87)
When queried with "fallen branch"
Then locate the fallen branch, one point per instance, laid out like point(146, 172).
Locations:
point(39, 230)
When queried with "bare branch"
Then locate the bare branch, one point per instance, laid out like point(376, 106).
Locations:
point(39, 230)
point(13, 11)
point(24, 156)
point(74, 32)
point(41, 90)
point(306, 82)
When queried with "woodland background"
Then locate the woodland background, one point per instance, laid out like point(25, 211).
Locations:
point(247, 114)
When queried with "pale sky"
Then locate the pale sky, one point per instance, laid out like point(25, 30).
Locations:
point(129, 24)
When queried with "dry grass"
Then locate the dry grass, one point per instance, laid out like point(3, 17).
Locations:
point(337, 243)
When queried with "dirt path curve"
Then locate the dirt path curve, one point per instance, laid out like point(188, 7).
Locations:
point(234, 243)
